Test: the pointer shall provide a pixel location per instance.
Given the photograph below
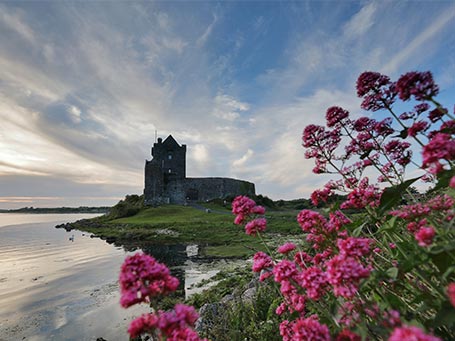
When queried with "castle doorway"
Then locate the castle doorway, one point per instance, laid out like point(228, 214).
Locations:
point(192, 194)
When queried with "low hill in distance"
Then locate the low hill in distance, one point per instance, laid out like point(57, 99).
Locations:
point(80, 209)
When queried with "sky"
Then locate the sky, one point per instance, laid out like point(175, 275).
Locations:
point(85, 85)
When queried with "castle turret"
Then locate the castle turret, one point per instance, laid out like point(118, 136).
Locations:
point(168, 164)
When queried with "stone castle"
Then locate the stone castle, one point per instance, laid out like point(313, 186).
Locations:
point(166, 181)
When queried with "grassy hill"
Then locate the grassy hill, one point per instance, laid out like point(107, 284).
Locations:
point(209, 225)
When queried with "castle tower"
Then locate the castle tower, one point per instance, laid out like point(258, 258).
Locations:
point(168, 164)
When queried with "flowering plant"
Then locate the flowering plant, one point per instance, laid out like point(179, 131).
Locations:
point(141, 279)
point(386, 272)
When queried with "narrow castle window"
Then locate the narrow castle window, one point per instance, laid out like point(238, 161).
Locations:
point(170, 171)
point(169, 157)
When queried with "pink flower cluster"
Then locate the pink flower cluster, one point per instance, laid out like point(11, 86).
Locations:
point(318, 229)
point(377, 90)
point(451, 293)
point(441, 207)
point(440, 147)
point(338, 270)
point(411, 333)
point(142, 277)
point(245, 208)
point(308, 329)
point(362, 196)
point(175, 325)
point(420, 85)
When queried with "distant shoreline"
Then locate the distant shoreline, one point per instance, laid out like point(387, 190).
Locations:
point(57, 210)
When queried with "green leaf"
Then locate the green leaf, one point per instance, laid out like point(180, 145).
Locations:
point(393, 195)
point(443, 180)
point(442, 260)
point(392, 272)
point(403, 134)
point(358, 230)
point(390, 224)
point(450, 270)
point(445, 316)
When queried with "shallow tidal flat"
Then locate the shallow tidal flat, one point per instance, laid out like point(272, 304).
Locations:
point(52, 288)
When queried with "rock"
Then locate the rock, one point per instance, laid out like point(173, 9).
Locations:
point(209, 314)
point(228, 299)
point(249, 295)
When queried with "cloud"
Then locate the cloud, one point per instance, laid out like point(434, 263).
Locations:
point(14, 21)
point(228, 108)
point(240, 162)
point(208, 31)
point(411, 49)
point(361, 22)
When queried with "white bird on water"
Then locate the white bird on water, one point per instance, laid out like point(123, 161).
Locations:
point(72, 238)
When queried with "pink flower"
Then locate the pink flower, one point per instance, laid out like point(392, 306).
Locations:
point(335, 116)
point(181, 317)
point(258, 210)
point(417, 84)
point(314, 280)
point(239, 219)
point(452, 182)
point(344, 274)
point(392, 319)
point(354, 247)
point(301, 257)
point(425, 236)
point(320, 195)
point(255, 226)
point(440, 147)
point(436, 114)
point(347, 335)
point(384, 127)
point(415, 226)
point(312, 134)
point(376, 89)
point(310, 220)
point(142, 277)
point(338, 220)
point(185, 334)
point(417, 127)
point(451, 293)
point(287, 247)
point(144, 324)
point(261, 261)
point(362, 196)
point(310, 329)
point(284, 270)
point(174, 325)
point(242, 205)
point(411, 333)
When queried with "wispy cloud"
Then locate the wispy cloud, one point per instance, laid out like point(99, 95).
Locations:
point(412, 48)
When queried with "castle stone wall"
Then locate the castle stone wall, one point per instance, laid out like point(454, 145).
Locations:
point(203, 189)
point(212, 188)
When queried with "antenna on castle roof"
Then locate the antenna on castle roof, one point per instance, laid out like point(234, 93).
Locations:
point(156, 134)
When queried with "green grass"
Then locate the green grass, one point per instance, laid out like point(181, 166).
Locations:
point(216, 232)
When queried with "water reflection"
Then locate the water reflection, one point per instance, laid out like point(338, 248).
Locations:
point(185, 262)
point(54, 288)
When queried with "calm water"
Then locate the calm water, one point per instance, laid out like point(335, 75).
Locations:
point(52, 288)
